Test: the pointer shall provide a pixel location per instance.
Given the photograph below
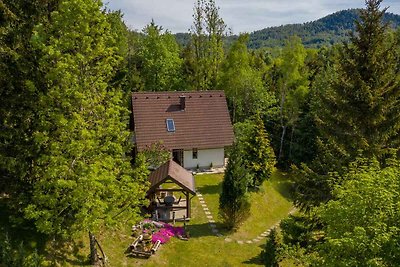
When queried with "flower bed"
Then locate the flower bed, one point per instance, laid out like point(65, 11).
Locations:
point(161, 231)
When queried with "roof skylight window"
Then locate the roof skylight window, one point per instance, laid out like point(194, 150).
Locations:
point(170, 125)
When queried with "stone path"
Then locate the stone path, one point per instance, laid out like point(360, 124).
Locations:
point(210, 218)
point(215, 231)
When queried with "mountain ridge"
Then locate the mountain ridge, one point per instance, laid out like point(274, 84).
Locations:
point(326, 31)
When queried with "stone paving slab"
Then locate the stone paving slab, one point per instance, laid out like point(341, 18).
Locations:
point(240, 242)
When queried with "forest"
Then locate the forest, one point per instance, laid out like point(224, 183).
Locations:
point(330, 30)
point(328, 116)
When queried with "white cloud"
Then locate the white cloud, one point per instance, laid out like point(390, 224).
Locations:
point(250, 15)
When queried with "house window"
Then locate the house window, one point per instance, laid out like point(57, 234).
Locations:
point(170, 125)
point(194, 153)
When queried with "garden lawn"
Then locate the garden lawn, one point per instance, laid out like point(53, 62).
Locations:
point(203, 248)
point(269, 206)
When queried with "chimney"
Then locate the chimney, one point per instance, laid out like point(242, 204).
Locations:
point(182, 100)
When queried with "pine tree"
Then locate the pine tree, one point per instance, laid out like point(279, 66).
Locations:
point(234, 205)
point(357, 110)
point(360, 109)
point(270, 251)
point(83, 178)
point(258, 154)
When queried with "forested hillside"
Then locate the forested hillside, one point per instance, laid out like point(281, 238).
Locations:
point(326, 118)
point(328, 30)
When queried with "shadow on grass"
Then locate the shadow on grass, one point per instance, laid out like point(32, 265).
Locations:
point(20, 231)
point(210, 189)
point(23, 232)
point(282, 183)
point(201, 230)
point(67, 252)
point(257, 260)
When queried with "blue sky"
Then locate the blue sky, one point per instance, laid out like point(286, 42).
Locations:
point(239, 15)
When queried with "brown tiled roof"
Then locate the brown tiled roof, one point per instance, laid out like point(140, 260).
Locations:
point(173, 171)
point(205, 122)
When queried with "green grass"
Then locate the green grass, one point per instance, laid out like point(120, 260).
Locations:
point(270, 205)
point(203, 248)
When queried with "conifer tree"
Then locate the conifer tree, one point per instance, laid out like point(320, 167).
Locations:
point(357, 110)
point(234, 205)
point(360, 108)
point(259, 156)
point(270, 251)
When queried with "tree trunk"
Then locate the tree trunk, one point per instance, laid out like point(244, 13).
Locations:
point(94, 259)
point(291, 143)
point(283, 98)
point(282, 139)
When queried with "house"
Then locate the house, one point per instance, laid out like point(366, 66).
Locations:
point(194, 126)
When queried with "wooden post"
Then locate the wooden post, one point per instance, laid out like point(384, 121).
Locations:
point(173, 217)
point(188, 213)
point(93, 250)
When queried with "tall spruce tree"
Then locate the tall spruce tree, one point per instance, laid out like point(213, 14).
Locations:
point(360, 107)
point(259, 155)
point(357, 112)
point(234, 205)
point(254, 145)
point(82, 178)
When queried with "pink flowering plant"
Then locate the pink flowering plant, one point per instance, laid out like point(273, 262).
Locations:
point(165, 233)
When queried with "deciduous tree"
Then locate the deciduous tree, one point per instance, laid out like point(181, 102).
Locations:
point(83, 178)
point(161, 65)
point(207, 34)
point(361, 223)
point(243, 84)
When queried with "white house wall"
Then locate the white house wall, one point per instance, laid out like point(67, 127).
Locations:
point(204, 158)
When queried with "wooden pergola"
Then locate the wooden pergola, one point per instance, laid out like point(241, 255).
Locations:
point(179, 181)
